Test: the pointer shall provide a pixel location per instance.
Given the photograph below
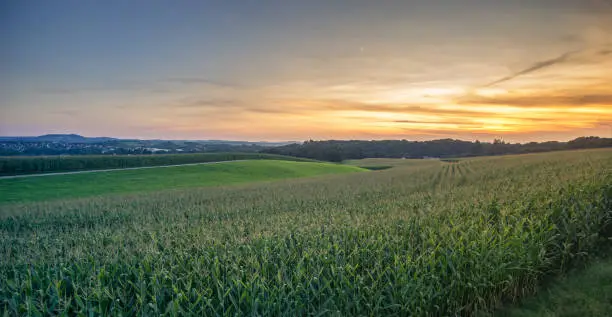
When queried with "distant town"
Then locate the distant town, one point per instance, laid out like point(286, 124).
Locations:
point(331, 150)
point(74, 144)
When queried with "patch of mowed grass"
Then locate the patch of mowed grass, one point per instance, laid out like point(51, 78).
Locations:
point(391, 162)
point(438, 240)
point(130, 181)
point(376, 168)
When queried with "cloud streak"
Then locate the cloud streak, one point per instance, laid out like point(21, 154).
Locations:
point(161, 85)
point(535, 67)
point(230, 107)
point(605, 52)
point(66, 112)
point(198, 80)
point(552, 100)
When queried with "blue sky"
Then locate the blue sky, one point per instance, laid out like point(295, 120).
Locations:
point(277, 70)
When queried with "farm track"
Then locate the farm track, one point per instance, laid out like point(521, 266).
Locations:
point(115, 169)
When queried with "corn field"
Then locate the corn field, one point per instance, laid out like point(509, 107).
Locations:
point(427, 239)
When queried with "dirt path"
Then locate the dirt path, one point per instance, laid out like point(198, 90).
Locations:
point(113, 169)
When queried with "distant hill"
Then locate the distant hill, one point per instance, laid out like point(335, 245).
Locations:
point(72, 138)
point(63, 138)
point(76, 138)
point(75, 144)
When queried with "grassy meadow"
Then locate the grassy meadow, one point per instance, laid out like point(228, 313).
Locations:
point(424, 239)
point(142, 180)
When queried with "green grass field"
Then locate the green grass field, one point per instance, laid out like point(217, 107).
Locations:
point(424, 239)
point(131, 181)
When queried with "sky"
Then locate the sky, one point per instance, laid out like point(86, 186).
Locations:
point(521, 70)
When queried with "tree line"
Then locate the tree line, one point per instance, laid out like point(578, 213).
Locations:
point(336, 151)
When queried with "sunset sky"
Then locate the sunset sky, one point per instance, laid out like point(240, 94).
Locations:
point(523, 70)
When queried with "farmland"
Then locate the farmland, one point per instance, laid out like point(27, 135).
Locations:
point(422, 239)
point(50, 164)
point(101, 183)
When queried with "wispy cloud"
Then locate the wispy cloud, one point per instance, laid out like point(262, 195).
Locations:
point(605, 52)
point(66, 112)
point(229, 107)
point(165, 85)
point(535, 67)
point(552, 100)
point(210, 103)
point(113, 85)
point(199, 81)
